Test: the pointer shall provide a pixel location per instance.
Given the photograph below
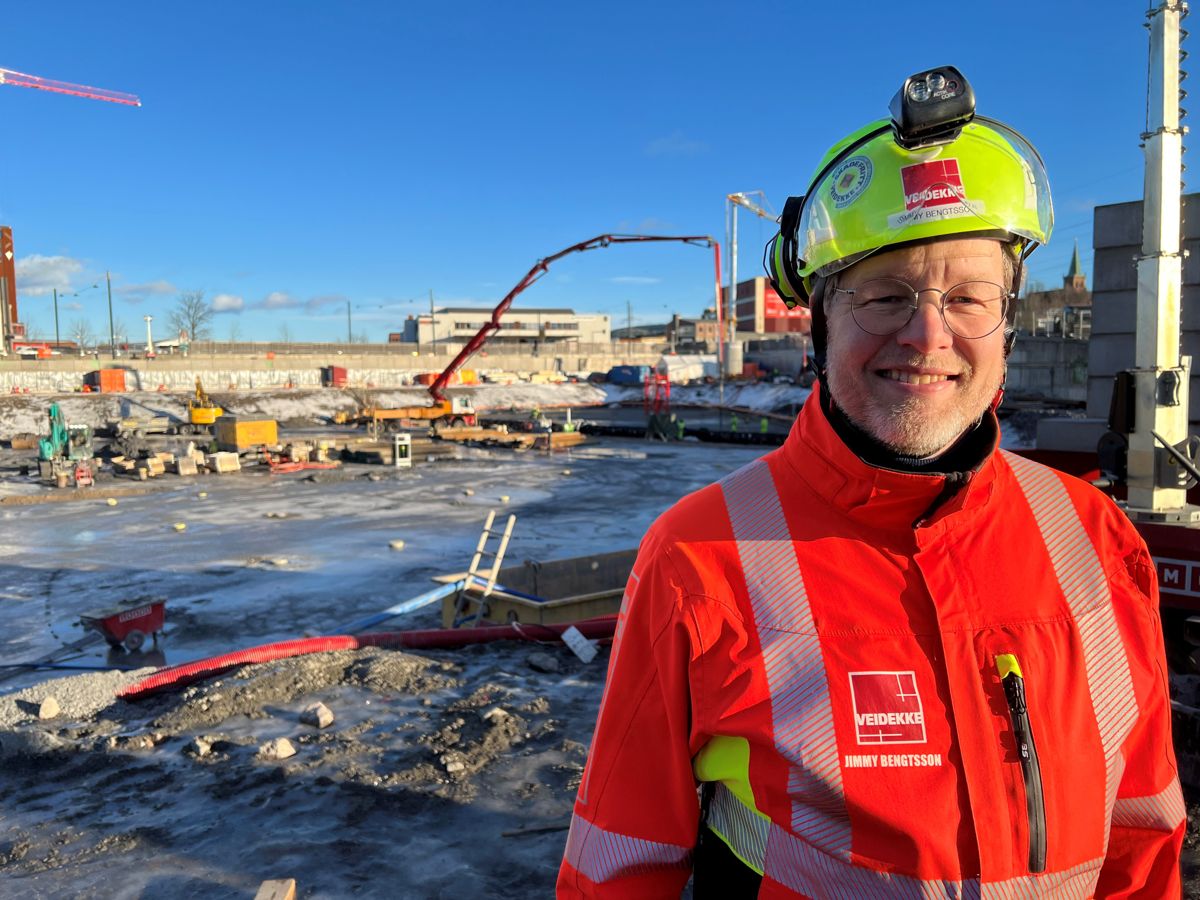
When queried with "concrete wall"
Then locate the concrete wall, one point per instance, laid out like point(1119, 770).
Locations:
point(1053, 367)
point(1117, 239)
point(225, 371)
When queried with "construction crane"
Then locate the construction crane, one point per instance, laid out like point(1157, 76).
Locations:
point(732, 202)
point(20, 79)
point(538, 270)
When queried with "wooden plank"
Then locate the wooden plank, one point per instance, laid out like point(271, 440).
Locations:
point(277, 889)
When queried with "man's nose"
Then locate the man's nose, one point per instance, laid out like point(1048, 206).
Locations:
point(926, 331)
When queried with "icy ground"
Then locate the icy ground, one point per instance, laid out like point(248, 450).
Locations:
point(411, 792)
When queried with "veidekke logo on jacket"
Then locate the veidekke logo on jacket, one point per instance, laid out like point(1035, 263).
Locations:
point(933, 183)
point(887, 708)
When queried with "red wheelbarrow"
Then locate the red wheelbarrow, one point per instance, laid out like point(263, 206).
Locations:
point(128, 626)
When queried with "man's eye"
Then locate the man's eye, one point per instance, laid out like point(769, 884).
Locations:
point(965, 301)
point(886, 301)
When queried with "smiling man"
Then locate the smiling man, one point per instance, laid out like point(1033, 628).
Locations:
point(889, 659)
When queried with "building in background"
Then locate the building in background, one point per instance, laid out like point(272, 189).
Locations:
point(694, 335)
point(457, 325)
point(761, 311)
point(1062, 312)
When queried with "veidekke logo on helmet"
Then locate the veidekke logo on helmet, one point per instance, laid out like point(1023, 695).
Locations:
point(934, 183)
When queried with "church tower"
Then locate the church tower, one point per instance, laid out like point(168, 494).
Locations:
point(1075, 281)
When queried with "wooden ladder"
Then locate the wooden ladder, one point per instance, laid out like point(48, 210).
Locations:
point(476, 574)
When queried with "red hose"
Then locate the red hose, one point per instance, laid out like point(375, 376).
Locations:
point(188, 673)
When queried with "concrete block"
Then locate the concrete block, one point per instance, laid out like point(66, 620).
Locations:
point(185, 465)
point(1114, 269)
point(223, 462)
point(1109, 353)
point(1117, 224)
point(1114, 312)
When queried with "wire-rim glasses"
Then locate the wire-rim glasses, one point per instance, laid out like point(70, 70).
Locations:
point(972, 309)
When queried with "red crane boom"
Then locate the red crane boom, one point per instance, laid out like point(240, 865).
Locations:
point(538, 270)
point(20, 79)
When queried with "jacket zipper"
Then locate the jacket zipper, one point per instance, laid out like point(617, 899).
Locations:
point(1031, 771)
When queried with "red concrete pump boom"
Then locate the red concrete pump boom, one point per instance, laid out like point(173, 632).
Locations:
point(538, 270)
point(20, 79)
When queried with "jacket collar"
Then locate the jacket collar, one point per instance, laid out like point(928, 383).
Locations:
point(817, 455)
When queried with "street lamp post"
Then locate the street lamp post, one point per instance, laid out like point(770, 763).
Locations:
point(57, 340)
point(149, 337)
point(112, 336)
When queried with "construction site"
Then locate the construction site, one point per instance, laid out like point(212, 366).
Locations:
point(334, 619)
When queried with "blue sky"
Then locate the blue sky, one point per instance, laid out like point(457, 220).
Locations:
point(291, 158)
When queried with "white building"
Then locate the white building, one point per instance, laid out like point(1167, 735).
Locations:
point(458, 324)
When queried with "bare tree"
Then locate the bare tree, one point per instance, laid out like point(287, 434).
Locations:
point(235, 331)
point(192, 315)
point(285, 333)
point(82, 334)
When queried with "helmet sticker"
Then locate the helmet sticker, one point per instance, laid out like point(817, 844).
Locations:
point(849, 180)
point(933, 191)
point(933, 183)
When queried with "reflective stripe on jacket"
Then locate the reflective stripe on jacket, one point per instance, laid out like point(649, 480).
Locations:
point(791, 634)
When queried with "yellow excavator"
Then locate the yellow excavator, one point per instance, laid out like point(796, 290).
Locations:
point(202, 413)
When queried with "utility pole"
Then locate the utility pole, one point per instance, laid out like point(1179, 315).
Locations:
point(112, 334)
point(628, 321)
point(57, 340)
point(349, 325)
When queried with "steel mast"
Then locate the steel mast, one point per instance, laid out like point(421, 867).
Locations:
point(1156, 480)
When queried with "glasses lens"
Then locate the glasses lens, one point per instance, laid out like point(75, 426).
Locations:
point(882, 306)
point(974, 309)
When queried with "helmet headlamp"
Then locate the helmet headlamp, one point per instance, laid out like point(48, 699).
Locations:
point(932, 107)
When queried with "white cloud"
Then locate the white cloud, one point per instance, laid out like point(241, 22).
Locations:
point(675, 144)
point(635, 279)
point(228, 303)
point(74, 307)
point(40, 275)
point(278, 300)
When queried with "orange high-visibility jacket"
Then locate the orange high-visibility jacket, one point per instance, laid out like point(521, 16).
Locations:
point(971, 703)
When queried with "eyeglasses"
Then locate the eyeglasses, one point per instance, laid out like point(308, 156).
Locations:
point(973, 309)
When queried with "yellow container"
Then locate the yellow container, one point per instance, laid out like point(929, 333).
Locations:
point(242, 434)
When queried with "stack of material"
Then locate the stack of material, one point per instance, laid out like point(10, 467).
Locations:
point(153, 466)
point(123, 465)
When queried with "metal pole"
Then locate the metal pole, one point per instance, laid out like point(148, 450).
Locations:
point(349, 327)
point(1161, 374)
point(57, 340)
point(732, 286)
point(112, 335)
point(432, 324)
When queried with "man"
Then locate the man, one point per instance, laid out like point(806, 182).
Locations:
point(887, 659)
